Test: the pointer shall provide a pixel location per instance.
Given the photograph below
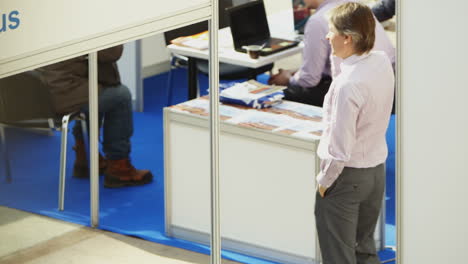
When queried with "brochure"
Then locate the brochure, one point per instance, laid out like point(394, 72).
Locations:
point(198, 41)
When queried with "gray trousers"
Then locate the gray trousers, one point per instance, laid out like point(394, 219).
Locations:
point(346, 217)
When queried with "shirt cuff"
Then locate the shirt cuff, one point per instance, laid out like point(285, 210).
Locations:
point(324, 181)
point(292, 80)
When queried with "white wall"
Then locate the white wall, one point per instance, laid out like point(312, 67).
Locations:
point(433, 121)
point(128, 67)
point(83, 28)
point(54, 22)
point(155, 55)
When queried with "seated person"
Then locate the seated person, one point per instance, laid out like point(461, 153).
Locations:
point(68, 83)
point(310, 83)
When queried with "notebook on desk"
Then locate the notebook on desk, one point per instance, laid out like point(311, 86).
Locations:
point(249, 26)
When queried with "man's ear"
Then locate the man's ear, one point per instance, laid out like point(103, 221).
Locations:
point(348, 39)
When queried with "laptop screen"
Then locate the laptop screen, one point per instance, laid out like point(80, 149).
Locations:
point(248, 23)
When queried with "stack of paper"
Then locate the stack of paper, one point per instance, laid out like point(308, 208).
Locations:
point(252, 94)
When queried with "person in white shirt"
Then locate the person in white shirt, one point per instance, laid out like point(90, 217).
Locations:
point(353, 148)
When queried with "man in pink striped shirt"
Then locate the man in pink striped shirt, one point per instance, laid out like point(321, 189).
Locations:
point(353, 148)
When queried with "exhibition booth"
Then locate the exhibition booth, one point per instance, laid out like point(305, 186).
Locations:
point(266, 169)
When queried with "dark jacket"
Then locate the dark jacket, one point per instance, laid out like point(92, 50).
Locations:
point(384, 10)
point(68, 80)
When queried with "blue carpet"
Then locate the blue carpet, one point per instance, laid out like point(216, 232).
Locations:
point(135, 211)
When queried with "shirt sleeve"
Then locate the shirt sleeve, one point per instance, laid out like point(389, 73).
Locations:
point(314, 55)
point(342, 135)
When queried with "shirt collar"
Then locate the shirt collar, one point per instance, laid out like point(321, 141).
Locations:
point(353, 59)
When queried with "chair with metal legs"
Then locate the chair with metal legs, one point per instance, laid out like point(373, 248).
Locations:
point(63, 151)
point(26, 102)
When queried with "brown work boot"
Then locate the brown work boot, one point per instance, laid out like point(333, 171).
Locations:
point(81, 168)
point(121, 173)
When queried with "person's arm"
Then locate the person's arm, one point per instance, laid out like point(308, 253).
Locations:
point(342, 134)
point(112, 54)
point(384, 10)
point(314, 55)
point(281, 78)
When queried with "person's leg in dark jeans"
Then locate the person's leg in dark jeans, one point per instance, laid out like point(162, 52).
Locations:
point(309, 95)
point(115, 104)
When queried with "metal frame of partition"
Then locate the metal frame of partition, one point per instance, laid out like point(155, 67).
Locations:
point(93, 137)
point(214, 134)
point(398, 156)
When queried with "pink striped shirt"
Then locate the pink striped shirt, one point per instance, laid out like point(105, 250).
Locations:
point(356, 112)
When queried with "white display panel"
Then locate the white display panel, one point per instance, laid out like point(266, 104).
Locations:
point(51, 30)
point(433, 132)
point(267, 189)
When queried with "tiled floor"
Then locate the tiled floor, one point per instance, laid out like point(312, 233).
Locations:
point(33, 239)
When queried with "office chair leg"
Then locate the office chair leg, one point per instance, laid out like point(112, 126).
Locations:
point(51, 126)
point(169, 87)
point(5, 154)
point(63, 162)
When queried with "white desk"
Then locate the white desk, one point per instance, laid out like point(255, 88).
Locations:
point(227, 54)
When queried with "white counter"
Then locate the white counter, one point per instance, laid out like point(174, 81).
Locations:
point(267, 185)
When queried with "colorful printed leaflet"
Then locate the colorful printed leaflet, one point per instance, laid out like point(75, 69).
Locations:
point(201, 107)
point(297, 110)
point(294, 119)
point(198, 41)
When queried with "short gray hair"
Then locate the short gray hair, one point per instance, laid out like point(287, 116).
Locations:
point(355, 20)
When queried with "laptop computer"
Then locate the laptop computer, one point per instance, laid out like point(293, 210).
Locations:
point(249, 26)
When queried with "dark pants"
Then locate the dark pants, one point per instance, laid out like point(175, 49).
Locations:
point(309, 95)
point(347, 216)
point(116, 118)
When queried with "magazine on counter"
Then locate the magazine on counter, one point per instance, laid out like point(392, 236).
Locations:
point(201, 106)
point(289, 118)
point(252, 94)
